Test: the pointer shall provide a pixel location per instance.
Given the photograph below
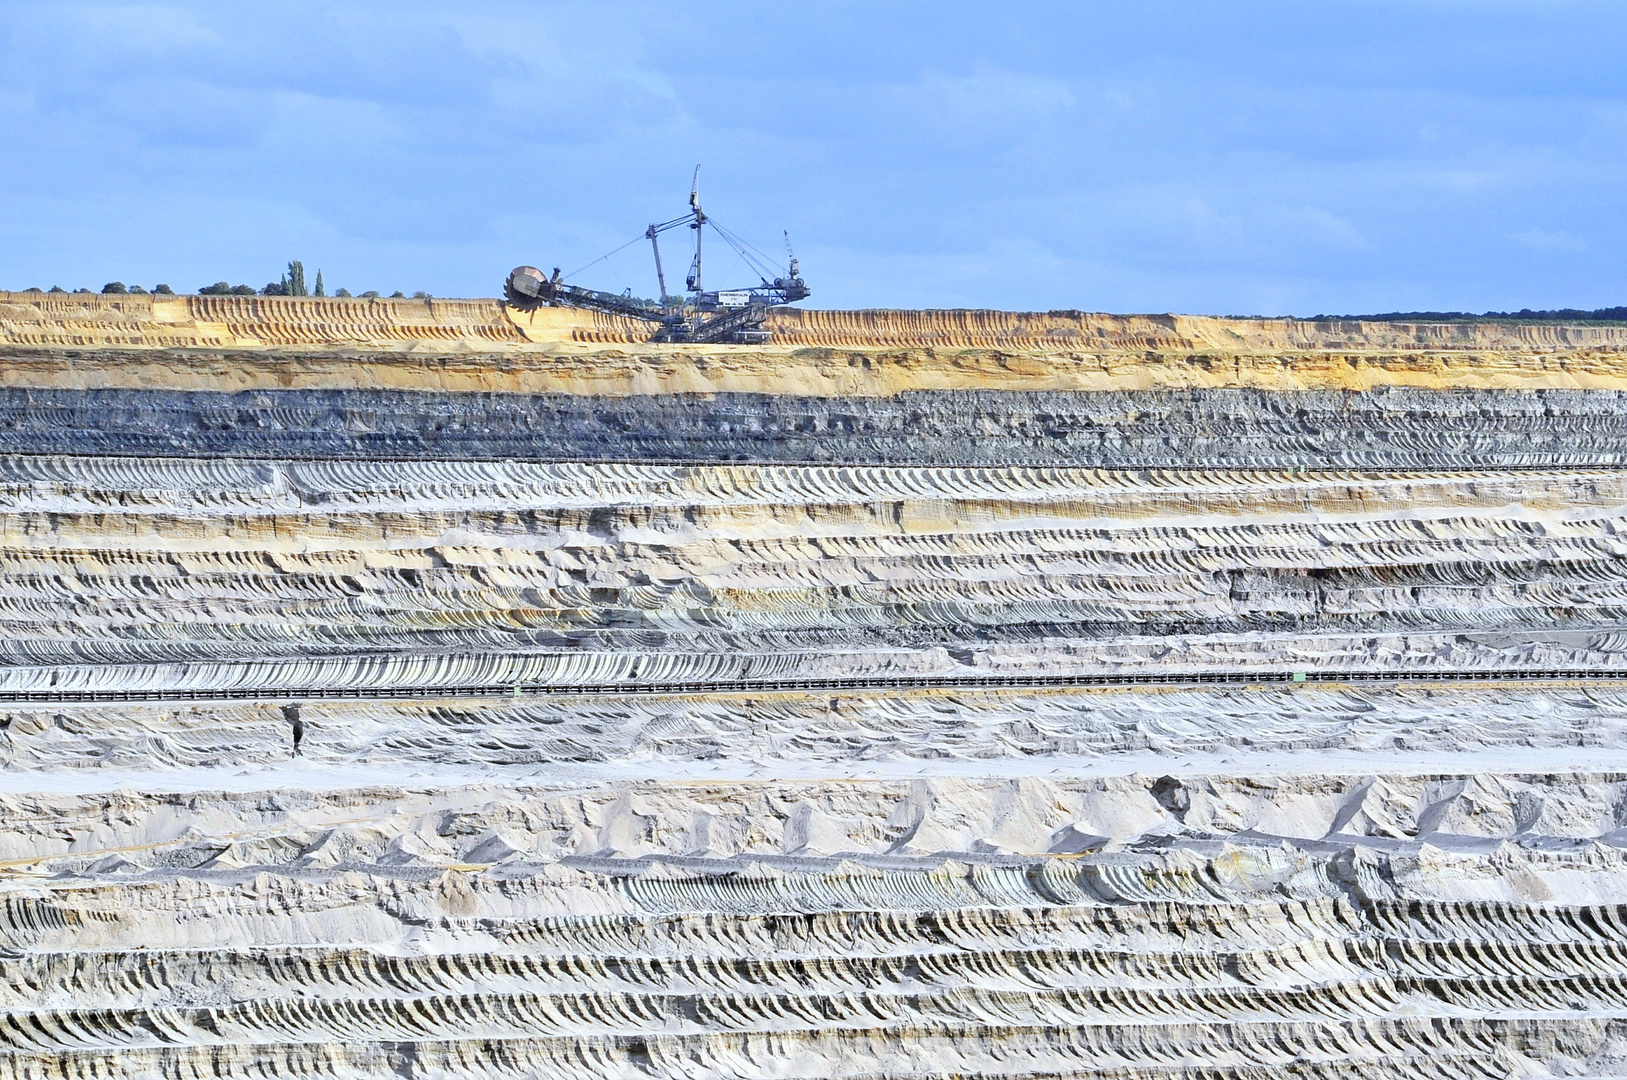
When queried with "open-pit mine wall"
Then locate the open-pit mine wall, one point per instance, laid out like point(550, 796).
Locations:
point(79, 320)
point(418, 689)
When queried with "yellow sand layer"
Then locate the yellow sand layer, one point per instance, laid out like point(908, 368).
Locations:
point(208, 342)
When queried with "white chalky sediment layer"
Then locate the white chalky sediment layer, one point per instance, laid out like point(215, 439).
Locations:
point(149, 575)
point(342, 932)
point(1427, 879)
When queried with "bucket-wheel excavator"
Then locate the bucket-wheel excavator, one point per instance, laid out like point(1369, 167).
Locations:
point(697, 314)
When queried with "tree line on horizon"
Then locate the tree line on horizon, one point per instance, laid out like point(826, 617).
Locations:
point(1609, 314)
point(292, 283)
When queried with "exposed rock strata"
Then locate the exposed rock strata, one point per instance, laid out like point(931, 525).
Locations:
point(1387, 429)
point(78, 320)
point(883, 879)
point(130, 573)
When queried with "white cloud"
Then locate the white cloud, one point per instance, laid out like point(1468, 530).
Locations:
point(139, 28)
point(1544, 240)
point(990, 96)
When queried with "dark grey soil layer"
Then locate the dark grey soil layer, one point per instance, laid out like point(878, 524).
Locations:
point(1381, 429)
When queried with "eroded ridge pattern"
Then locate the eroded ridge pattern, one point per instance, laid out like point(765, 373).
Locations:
point(366, 732)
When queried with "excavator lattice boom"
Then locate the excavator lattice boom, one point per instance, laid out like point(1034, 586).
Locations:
point(723, 315)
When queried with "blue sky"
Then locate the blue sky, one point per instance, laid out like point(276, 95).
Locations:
point(1256, 158)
